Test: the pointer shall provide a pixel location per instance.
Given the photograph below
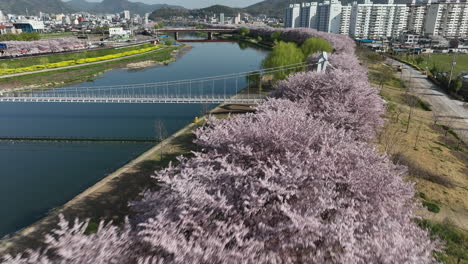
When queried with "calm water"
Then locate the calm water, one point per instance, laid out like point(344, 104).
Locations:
point(38, 176)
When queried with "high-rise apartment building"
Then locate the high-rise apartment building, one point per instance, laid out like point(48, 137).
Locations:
point(345, 19)
point(126, 14)
point(417, 16)
point(221, 18)
point(329, 16)
point(292, 16)
point(308, 15)
point(448, 18)
point(360, 18)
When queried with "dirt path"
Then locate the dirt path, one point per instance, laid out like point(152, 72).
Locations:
point(450, 111)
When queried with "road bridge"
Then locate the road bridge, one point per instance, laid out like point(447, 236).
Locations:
point(210, 31)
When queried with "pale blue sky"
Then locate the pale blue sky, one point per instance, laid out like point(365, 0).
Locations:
point(197, 3)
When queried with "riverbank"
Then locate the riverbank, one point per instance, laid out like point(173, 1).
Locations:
point(88, 72)
point(247, 40)
point(108, 199)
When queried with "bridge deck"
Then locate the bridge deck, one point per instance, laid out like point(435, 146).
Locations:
point(128, 100)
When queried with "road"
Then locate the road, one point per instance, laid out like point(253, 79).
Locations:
point(451, 112)
point(79, 65)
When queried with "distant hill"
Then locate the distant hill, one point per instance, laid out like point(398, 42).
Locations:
point(33, 7)
point(165, 13)
point(116, 6)
point(82, 5)
point(271, 8)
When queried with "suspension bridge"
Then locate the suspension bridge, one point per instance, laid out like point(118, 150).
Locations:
point(236, 88)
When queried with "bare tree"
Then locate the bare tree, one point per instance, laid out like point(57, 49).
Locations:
point(412, 102)
point(435, 117)
point(417, 136)
point(205, 108)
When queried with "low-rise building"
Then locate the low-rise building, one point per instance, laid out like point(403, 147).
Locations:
point(118, 31)
point(29, 26)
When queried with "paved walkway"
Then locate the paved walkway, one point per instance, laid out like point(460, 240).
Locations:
point(77, 66)
point(450, 112)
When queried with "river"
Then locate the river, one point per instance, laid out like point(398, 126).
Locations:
point(36, 177)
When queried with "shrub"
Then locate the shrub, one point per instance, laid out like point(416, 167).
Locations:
point(313, 45)
point(283, 54)
point(431, 207)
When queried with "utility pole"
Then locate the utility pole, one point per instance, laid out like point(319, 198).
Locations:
point(454, 62)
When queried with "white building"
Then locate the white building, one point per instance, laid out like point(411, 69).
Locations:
point(448, 19)
point(292, 16)
point(345, 19)
point(237, 19)
point(118, 31)
point(417, 17)
point(126, 14)
point(221, 18)
point(376, 21)
point(360, 20)
point(382, 21)
point(329, 16)
point(2, 17)
point(308, 15)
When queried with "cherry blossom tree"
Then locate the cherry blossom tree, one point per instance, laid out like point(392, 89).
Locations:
point(295, 182)
point(343, 98)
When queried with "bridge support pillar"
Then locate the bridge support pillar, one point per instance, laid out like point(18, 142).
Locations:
point(210, 35)
point(176, 35)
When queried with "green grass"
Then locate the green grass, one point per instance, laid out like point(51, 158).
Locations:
point(455, 241)
point(84, 73)
point(30, 61)
point(443, 61)
point(431, 207)
point(56, 35)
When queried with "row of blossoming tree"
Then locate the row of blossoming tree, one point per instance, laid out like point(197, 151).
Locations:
point(298, 181)
point(20, 48)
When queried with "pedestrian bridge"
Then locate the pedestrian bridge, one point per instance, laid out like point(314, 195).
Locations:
point(236, 88)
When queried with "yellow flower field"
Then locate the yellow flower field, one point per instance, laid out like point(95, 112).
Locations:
point(74, 62)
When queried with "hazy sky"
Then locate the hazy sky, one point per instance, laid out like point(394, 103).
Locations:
point(197, 3)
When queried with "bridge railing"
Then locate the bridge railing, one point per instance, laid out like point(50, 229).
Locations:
point(236, 86)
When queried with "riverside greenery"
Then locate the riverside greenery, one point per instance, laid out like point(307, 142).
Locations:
point(76, 62)
point(298, 181)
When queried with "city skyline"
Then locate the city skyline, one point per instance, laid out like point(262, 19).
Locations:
point(197, 4)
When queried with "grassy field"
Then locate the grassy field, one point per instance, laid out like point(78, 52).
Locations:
point(442, 61)
point(84, 73)
point(56, 35)
point(437, 162)
point(41, 60)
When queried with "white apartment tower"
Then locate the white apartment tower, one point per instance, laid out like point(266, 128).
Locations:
point(360, 19)
point(417, 17)
point(308, 15)
point(448, 19)
point(375, 21)
point(292, 16)
point(400, 20)
point(329, 16)
point(126, 14)
point(345, 19)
